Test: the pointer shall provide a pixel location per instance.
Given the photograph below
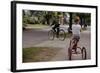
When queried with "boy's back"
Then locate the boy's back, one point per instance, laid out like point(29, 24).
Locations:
point(76, 29)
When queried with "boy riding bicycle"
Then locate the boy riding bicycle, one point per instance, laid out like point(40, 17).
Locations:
point(76, 28)
point(56, 25)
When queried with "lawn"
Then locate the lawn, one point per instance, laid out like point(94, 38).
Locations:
point(39, 54)
point(36, 26)
point(84, 29)
point(68, 35)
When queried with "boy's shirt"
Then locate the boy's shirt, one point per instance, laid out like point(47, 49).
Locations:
point(76, 29)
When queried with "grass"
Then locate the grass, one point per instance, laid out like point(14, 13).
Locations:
point(84, 29)
point(68, 35)
point(37, 26)
point(39, 54)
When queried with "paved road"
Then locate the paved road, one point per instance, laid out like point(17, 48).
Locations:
point(33, 36)
point(39, 37)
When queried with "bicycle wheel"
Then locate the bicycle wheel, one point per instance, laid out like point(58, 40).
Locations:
point(84, 55)
point(51, 35)
point(69, 53)
point(61, 35)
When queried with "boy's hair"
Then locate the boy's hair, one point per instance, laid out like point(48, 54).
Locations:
point(77, 19)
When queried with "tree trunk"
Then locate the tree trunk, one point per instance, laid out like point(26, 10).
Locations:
point(70, 23)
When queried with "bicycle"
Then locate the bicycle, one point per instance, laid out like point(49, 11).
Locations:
point(61, 35)
point(73, 46)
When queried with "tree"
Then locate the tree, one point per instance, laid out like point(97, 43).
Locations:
point(70, 23)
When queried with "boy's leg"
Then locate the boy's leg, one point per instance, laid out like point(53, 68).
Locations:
point(57, 32)
point(75, 45)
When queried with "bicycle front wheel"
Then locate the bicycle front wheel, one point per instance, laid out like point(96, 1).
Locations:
point(61, 35)
point(51, 35)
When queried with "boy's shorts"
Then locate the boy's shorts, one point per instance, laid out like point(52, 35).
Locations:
point(76, 37)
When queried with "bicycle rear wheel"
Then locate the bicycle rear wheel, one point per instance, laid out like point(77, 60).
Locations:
point(51, 35)
point(84, 54)
point(61, 35)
